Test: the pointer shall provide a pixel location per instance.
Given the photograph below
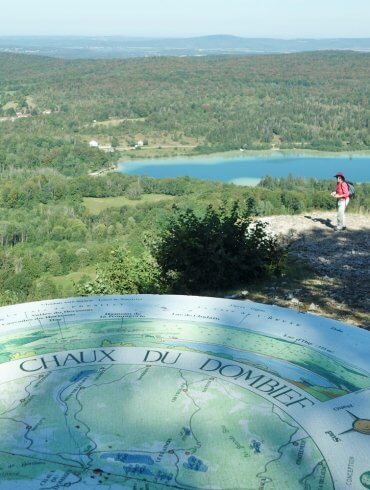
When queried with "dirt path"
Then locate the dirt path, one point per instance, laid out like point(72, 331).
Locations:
point(329, 271)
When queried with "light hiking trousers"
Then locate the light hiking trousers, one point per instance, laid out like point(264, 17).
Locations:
point(342, 204)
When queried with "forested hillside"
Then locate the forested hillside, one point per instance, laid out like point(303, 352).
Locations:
point(54, 230)
point(313, 100)
point(57, 222)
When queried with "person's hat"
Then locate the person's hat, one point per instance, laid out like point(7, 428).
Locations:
point(339, 174)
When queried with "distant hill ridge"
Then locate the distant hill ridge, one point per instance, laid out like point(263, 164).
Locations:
point(127, 47)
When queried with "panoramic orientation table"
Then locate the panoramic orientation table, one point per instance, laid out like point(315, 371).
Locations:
point(158, 392)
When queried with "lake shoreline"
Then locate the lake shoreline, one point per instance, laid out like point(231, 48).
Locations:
point(255, 154)
point(247, 154)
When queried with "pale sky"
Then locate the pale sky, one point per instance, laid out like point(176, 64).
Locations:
point(184, 18)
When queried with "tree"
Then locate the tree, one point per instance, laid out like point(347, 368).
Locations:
point(125, 274)
point(115, 142)
point(134, 191)
point(43, 289)
point(10, 112)
point(8, 298)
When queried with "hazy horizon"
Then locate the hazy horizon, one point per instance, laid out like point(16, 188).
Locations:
point(269, 19)
point(119, 36)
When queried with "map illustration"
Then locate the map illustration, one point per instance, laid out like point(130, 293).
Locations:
point(152, 392)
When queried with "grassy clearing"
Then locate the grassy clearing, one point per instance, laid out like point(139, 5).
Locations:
point(95, 205)
point(10, 105)
point(66, 284)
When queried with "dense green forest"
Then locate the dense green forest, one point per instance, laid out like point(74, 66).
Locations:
point(55, 230)
point(313, 100)
point(58, 222)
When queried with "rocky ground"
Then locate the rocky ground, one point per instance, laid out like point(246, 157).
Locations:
point(328, 272)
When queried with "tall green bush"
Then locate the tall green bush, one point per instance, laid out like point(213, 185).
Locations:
point(217, 250)
point(125, 273)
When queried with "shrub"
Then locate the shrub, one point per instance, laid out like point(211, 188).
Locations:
point(124, 274)
point(218, 250)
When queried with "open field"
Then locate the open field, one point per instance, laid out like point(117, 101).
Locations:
point(95, 205)
point(67, 282)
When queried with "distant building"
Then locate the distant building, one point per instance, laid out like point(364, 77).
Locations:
point(94, 144)
point(140, 143)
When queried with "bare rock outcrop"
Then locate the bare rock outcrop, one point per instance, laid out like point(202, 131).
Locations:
point(336, 265)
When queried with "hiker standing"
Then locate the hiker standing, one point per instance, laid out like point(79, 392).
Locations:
point(342, 195)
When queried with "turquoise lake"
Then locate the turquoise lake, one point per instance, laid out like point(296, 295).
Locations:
point(248, 170)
